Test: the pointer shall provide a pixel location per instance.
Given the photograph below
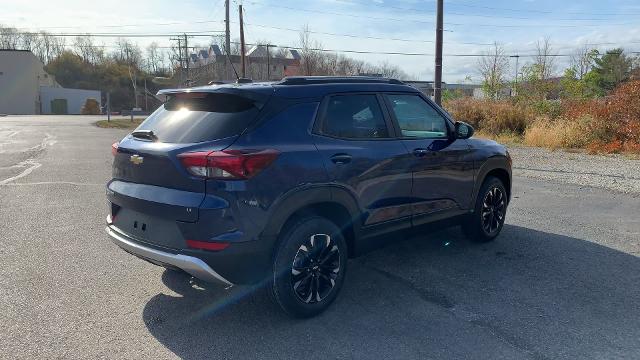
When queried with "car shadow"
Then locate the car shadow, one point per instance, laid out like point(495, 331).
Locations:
point(530, 294)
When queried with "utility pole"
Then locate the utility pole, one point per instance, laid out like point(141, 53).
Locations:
point(268, 64)
point(242, 49)
point(179, 40)
point(227, 43)
point(516, 80)
point(108, 106)
point(437, 86)
point(146, 99)
point(186, 57)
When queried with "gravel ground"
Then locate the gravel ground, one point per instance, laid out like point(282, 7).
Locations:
point(614, 172)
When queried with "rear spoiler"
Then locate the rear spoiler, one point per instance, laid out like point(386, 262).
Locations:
point(259, 97)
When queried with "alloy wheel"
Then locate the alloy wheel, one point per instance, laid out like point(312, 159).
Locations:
point(315, 268)
point(493, 210)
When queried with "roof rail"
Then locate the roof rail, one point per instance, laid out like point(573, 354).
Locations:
point(310, 80)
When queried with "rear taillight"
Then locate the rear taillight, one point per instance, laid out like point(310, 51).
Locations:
point(114, 149)
point(228, 164)
point(205, 245)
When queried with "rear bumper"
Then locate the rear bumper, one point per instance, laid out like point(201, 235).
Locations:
point(192, 265)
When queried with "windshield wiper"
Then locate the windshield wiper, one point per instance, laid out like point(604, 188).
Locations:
point(144, 135)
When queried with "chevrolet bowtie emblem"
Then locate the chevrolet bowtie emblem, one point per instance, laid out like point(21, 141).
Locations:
point(136, 159)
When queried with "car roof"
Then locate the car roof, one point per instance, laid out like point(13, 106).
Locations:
point(304, 87)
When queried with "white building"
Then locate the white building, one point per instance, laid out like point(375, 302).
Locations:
point(58, 100)
point(26, 89)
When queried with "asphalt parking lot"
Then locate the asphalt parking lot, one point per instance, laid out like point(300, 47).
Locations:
point(562, 281)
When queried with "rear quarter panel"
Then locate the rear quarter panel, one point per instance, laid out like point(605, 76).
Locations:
point(299, 166)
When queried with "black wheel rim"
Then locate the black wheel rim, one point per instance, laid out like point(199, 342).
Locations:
point(493, 210)
point(315, 268)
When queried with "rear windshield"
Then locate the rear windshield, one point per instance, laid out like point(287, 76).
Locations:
point(199, 117)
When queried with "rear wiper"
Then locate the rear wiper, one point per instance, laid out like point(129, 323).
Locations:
point(144, 135)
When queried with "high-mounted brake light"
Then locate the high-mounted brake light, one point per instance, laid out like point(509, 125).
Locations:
point(190, 95)
point(114, 149)
point(228, 164)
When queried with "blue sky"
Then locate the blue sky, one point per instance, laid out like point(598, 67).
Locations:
point(516, 24)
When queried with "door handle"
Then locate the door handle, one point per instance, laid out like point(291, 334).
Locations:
point(341, 159)
point(420, 152)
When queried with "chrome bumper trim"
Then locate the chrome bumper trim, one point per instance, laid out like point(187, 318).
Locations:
point(189, 264)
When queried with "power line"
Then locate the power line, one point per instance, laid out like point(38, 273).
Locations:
point(127, 35)
point(356, 36)
point(405, 53)
point(462, 55)
point(277, 28)
point(211, 33)
point(131, 25)
point(362, 36)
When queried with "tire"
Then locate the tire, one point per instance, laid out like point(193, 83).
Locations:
point(303, 288)
point(487, 220)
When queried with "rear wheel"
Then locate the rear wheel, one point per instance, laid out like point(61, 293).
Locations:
point(309, 267)
point(487, 220)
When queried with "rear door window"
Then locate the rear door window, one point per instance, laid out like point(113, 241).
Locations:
point(354, 117)
point(198, 117)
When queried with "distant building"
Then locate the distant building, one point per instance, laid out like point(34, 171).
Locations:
point(26, 89)
point(427, 87)
point(262, 64)
point(58, 100)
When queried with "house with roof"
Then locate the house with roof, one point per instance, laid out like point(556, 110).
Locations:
point(262, 64)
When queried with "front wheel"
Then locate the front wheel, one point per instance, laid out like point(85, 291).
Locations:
point(487, 220)
point(309, 267)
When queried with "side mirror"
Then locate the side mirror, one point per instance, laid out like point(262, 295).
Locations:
point(464, 130)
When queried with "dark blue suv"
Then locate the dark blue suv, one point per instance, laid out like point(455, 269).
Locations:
point(279, 184)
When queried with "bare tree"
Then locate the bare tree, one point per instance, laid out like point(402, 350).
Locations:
point(493, 66)
point(390, 71)
point(50, 47)
point(128, 52)
point(311, 56)
point(87, 49)
point(545, 58)
point(9, 38)
point(154, 58)
point(582, 60)
point(30, 41)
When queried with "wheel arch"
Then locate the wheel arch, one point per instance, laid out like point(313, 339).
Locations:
point(341, 210)
point(498, 167)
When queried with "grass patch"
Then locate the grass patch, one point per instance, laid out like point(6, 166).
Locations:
point(509, 138)
point(125, 123)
